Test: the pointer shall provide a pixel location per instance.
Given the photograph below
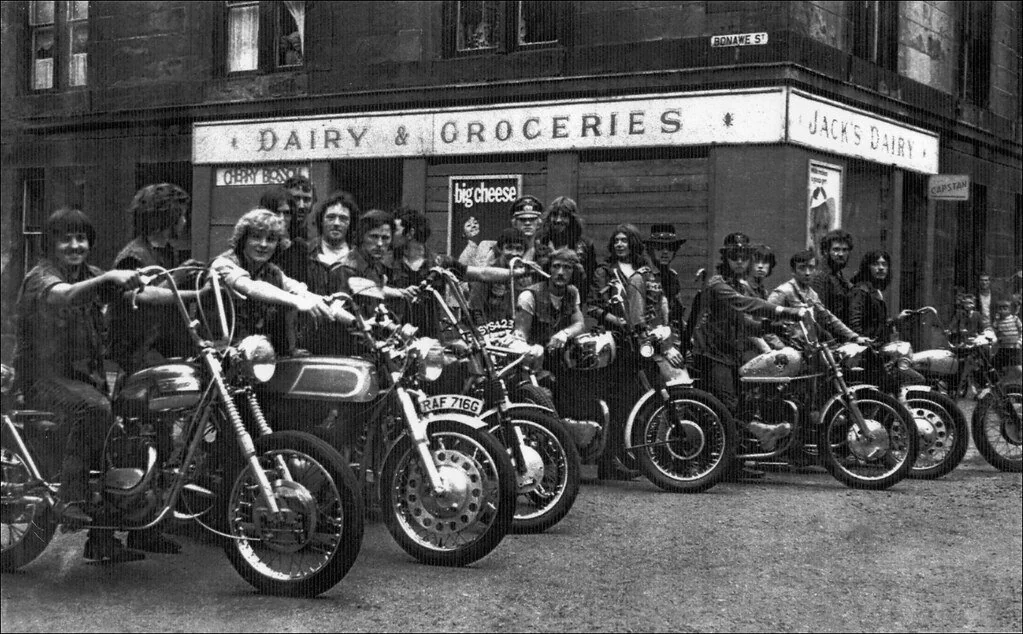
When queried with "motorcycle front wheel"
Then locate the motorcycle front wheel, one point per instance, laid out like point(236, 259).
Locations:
point(28, 523)
point(466, 521)
point(553, 470)
point(996, 428)
point(688, 452)
point(874, 462)
point(944, 434)
point(311, 544)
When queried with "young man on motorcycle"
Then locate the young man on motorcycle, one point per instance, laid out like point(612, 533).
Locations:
point(830, 283)
point(726, 305)
point(548, 313)
point(59, 358)
point(664, 245)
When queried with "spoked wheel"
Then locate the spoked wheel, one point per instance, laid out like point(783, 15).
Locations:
point(876, 460)
point(550, 484)
point(470, 517)
point(28, 522)
point(943, 434)
point(313, 541)
point(996, 428)
point(688, 452)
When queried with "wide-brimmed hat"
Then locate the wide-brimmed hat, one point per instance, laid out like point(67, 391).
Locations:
point(737, 243)
point(526, 206)
point(664, 235)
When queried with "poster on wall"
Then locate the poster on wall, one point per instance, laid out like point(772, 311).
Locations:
point(478, 209)
point(824, 201)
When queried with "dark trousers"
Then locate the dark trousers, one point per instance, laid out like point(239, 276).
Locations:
point(720, 379)
point(87, 415)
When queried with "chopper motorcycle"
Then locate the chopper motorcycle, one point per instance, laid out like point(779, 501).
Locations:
point(864, 438)
point(293, 520)
point(995, 425)
point(445, 485)
point(542, 449)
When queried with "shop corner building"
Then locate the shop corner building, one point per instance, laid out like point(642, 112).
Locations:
point(778, 119)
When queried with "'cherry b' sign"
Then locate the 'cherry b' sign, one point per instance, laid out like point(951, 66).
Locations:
point(478, 208)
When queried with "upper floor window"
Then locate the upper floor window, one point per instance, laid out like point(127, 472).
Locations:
point(875, 27)
point(487, 25)
point(265, 35)
point(60, 42)
point(975, 52)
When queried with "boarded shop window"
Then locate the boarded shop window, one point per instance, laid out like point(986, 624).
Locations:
point(975, 52)
point(60, 41)
point(875, 28)
point(265, 35)
point(480, 26)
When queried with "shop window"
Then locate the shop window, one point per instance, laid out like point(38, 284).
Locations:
point(875, 28)
point(264, 36)
point(60, 41)
point(481, 26)
point(975, 51)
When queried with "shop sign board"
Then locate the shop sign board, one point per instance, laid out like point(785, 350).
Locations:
point(478, 208)
point(839, 129)
point(731, 117)
point(824, 201)
point(738, 39)
point(242, 175)
point(948, 187)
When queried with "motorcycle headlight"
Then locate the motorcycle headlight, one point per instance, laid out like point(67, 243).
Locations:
point(257, 357)
point(431, 358)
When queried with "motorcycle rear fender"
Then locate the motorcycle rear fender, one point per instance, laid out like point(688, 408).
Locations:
point(906, 389)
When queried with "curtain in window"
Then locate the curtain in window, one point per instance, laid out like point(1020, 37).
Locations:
point(243, 38)
point(78, 71)
point(297, 10)
point(42, 59)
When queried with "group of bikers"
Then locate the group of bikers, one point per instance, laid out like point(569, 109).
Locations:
point(72, 314)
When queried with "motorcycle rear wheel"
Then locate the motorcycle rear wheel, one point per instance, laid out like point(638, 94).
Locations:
point(27, 527)
point(692, 455)
point(996, 432)
point(464, 525)
point(552, 498)
point(944, 447)
point(314, 542)
point(841, 448)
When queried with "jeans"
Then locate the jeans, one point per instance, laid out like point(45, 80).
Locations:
point(719, 379)
point(87, 414)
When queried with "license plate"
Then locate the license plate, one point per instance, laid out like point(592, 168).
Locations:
point(448, 402)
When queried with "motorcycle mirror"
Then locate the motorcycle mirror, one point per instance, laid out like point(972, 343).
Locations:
point(365, 288)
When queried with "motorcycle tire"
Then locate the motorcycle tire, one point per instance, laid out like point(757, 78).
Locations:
point(473, 519)
point(529, 393)
point(321, 527)
point(944, 446)
point(692, 455)
point(28, 527)
point(839, 446)
point(996, 433)
point(541, 506)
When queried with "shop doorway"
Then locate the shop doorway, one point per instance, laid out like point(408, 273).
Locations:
point(971, 233)
point(375, 183)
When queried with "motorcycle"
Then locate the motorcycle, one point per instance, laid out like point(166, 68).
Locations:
point(294, 523)
point(995, 425)
point(445, 485)
point(542, 450)
point(864, 437)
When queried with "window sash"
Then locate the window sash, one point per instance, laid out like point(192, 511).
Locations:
point(41, 12)
point(78, 10)
point(290, 22)
point(42, 66)
point(547, 10)
point(79, 55)
point(480, 34)
point(242, 37)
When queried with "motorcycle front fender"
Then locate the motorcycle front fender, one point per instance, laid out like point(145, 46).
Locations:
point(834, 401)
point(631, 420)
point(475, 423)
point(492, 412)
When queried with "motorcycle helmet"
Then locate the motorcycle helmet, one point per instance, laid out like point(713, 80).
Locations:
point(590, 351)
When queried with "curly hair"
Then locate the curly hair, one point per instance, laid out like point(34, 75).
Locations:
point(864, 275)
point(833, 236)
point(346, 200)
point(258, 221)
point(636, 247)
point(157, 207)
point(572, 233)
point(64, 221)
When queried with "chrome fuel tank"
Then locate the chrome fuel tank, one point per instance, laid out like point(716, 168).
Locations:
point(787, 362)
point(345, 379)
point(159, 389)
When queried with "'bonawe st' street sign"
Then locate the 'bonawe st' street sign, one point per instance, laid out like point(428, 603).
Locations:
point(738, 39)
point(948, 187)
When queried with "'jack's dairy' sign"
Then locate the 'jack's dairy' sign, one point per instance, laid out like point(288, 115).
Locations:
point(704, 118)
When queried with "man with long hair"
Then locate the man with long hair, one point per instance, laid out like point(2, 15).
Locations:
point(562, 226)
point(868, 310)
point(829, 282)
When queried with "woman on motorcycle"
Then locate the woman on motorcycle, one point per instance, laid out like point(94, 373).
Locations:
point(868, 311)
point(263, 290)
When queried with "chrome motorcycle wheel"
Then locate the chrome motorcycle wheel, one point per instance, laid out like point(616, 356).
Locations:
point(869, 461)
point(27, 522)
point(466, 521)
point(943, 432)
point(996, 428)
point(689, 452)
point(547, 491)
point(313, 541)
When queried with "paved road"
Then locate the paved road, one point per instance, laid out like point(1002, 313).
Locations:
point(795, 552)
